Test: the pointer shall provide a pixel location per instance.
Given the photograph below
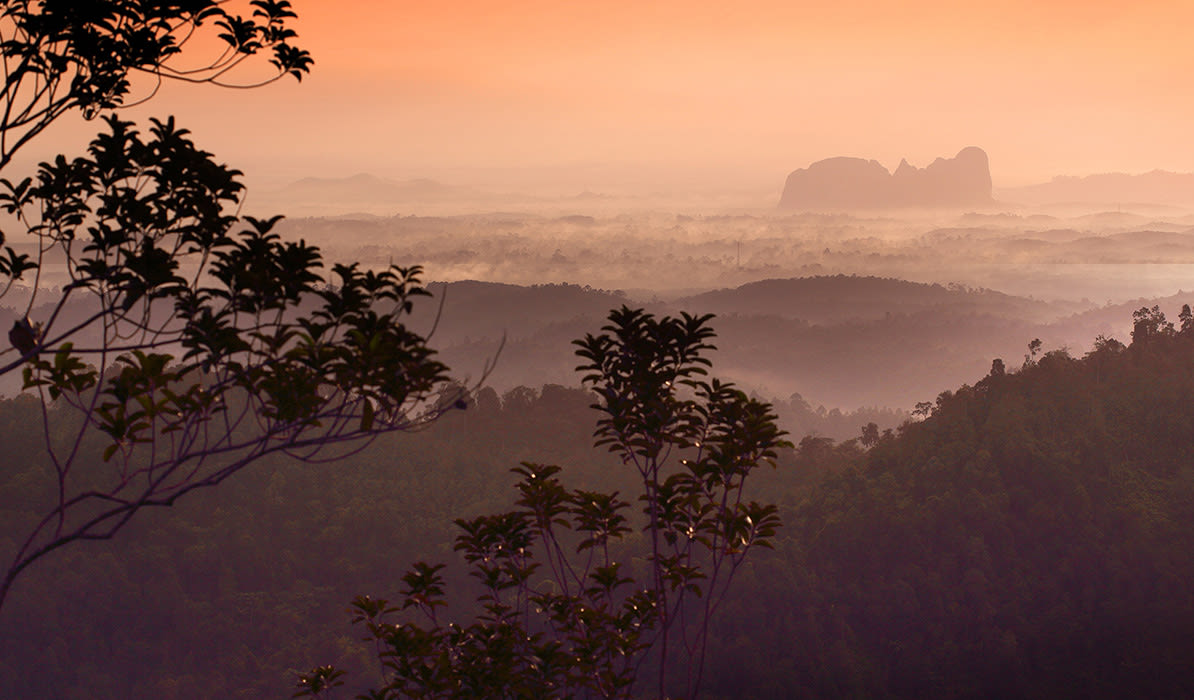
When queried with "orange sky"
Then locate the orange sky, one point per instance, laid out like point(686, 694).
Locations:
point(678, 92)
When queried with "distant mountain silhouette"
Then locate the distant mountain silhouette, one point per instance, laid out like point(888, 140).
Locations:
point(855, 183)
point(1156, 187)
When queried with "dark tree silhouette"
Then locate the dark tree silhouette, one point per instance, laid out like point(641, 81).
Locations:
point(1149, 324)
point(186, 342)
point(870, 435)
point(566, 608)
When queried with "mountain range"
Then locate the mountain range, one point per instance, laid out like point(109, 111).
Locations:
point(1158, 187)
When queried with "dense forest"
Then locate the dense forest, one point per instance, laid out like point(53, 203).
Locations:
point(1029, 538)
point(1026, 535)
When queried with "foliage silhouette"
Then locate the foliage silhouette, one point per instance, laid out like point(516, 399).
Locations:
point(186, 342)
point(565, 606)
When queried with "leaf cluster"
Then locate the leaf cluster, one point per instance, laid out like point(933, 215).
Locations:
point(576, 595)
point(61, 55)
point(193, 340)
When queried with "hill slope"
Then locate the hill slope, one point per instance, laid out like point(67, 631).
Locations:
point(1029, 539)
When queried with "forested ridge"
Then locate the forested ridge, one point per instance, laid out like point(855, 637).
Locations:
point(816, 336)
point(1028, 536)
point(1024, 536)
point(1031, 538)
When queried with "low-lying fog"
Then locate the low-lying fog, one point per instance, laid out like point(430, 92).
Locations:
point(864, 309)
point(845, 310)
point(1100, 257)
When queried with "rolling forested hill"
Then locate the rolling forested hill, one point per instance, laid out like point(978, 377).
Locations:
point(840, 341)
point(1030, 538)
point(841, 298)
point(1027, 536)
point(837, 341)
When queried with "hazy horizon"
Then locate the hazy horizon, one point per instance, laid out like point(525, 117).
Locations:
point(645, 148)
point(700, 97)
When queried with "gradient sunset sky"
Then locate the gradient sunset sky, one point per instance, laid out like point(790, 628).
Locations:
point(708, 93)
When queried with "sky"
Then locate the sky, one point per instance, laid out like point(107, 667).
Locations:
point(669, 94)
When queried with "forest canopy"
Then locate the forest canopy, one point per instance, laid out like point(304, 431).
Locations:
point(1026, 538)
